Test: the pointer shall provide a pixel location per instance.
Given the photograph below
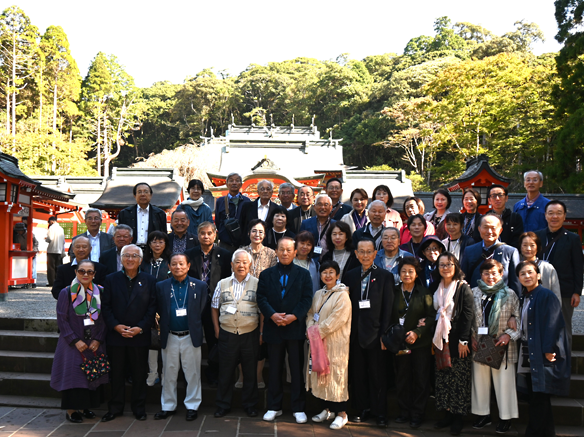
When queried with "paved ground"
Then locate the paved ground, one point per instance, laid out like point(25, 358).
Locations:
point(33, 422)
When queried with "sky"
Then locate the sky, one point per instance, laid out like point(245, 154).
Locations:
point(172, 40)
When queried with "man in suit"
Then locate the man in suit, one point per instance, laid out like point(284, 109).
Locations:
point(532, 207)
point(66, 273)
point(374, 229)
point(112, 259)
point(305, 209)
point(100, 241)
point(261, 208)
point(128, 305)
point(512, 222)
point(284, 297)
point(180, 239)
point(236, 319)
point(286, 192)
point(334, 189)
point(143, 217)
point(235, 202)
point(210, 264)
point(319, 224)
point(563, 249)
point(180, 303)
point(490, 228)
point(371, 292)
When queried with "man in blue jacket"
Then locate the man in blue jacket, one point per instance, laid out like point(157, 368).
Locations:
point(490, 228)
point(180, 304)
point(284, 297)
point(532, 208)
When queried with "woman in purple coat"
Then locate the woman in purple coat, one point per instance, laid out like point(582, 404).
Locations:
point(82, 334)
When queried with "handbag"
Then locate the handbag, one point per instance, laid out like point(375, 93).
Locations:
point(443, 360)
point(394, 338)
point(95, 367)
point(154, 340)
point(489, 354)
point(232, 225)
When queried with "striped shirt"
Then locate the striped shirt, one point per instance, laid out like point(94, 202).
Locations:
point(238, 288)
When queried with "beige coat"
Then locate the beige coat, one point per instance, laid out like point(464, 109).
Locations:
point(335, 328)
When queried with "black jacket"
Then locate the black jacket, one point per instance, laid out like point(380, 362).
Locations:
point(297, 300)
point(343, 209)
point(132, 309)
point(110, 260)
point(156, 219)
point(351, 264)
point(106, 242)
point(295, 218)
point(220, 265)
point(369, 324)
point(512, 228)
point(192, 241)
point(198, 296)
point(566, 257)
point(249, 212)
point(66, 274)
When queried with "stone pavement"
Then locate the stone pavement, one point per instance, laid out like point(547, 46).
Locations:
point(38, 422)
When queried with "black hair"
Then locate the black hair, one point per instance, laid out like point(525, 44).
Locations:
point(522, 264)
point(84, 261)
point(329, 264)
point(141, 183)
point(445, 193)
point(333, 180)
point(458, 273)
point(345, 229)
point(417, 216)
point(475, 194)
point(556, 202)
point(195, 183)
point(255, 222)
point(488, 264)
point(157, 235)
point(411, 261)
point(454, 217)
point(531, 235)
point(497, 186)
point(175, 254)
point(419, 202)
point(303, 236)
point(385, 188)
point(366, 240)
point(279, 209)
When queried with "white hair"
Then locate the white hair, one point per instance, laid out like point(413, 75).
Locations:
point(265, 181)
point(92, 210)
point(540, 174)
point(132, 246)
point(287, 185)
point(377, 203)
point(238, 251)
point(326, 196)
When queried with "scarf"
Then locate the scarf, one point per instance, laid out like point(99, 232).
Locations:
point(444, 303)
point(359, 221)
point(500, 292)
point(194, 203)
point(85, 301)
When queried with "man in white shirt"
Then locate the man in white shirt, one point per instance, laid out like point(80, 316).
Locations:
point(261, 208)
point(56, 249)
point(100, 241)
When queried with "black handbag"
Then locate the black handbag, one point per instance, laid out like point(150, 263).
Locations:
point(95, 367)
point(394, 338)
point(232, 225)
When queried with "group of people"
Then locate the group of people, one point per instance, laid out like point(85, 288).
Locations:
point(350, 298)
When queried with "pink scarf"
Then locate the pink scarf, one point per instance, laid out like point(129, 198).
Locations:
point(444, 304)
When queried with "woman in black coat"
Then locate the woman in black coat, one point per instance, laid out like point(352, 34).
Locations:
point(454, 302)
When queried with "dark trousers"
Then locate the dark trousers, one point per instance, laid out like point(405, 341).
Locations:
point(235, 349)
point(334, 407)
point(212, 372)
point(541, 418)
point(135, 360)
point(54, 260)
point(276, 355)
point(368, 373)
point(412, 379)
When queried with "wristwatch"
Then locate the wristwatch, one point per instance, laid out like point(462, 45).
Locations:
point(141, 331)
point(464, 343)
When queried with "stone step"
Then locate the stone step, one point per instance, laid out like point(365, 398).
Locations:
point(34, 341)
point(578, 362)
point(43, 325)
point(578, 342)
point(26, 362)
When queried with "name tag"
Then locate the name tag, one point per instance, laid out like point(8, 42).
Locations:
point(88, 322)
point(402, 320)
point(181, 312)
point(316, 316)
point(483, 330)
point(231, 309)
point(318, 250)
point(364, 304)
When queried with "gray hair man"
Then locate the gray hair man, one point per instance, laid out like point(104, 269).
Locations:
point(111, 259)
point(236, 320)
point(286, 192)
point(261, 208)
point(101, 242)
point(373, 229)
point(532, 207)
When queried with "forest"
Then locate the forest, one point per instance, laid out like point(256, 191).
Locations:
point(450, 96)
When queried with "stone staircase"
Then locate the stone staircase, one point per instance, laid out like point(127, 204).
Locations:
point(27, 348)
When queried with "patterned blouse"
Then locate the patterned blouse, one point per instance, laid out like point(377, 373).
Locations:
point(262, 260)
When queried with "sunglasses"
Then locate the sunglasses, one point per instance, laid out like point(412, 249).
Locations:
point(86, 272)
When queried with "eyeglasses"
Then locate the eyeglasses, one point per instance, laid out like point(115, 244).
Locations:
point(532, 180)
point(143, 192)
point(264, 189)
point(131, 256)
point(555, 214)
point(432, 249)
point(368, 252)
point(490, 274)
point(497, 195)
point(85, 272)
point(333, 189)
point(446, 266)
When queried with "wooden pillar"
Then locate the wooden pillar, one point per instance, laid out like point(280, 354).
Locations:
point(5, 230)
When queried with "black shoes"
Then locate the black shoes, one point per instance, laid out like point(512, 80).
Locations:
point(382, 421)
point(191, 415)
point(402, 419)
point(457, 424)
point(163, 414)
point(251, 411)
point(88, 414)
point(503, 426)
point(444, 422)
point(108, 416)
point(75, 417)
point(416, 422)
point(140, 417)
point(481, 422)
point(361, 417)
point(220, 412)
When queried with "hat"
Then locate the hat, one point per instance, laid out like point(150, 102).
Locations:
point(20, 226)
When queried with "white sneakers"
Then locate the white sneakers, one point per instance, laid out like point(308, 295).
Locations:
point(339, 422)
point(151, 380)
point(271, 415)
point(324, 415)
point(300, 417)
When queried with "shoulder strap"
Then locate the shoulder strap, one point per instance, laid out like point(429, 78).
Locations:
point(551, 243)
point(226, 207)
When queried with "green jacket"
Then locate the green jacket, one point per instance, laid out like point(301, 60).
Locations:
point(421, 306)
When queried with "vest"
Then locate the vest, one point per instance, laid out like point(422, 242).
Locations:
point(246, 318)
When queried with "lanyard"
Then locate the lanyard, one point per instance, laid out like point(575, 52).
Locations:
point(157, 263)
point(174, 295)
point(485, 304)
point(405, 300)
point(323, 231)
point(454, 247)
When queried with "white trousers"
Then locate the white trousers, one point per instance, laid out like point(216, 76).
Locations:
point(505, 391)
point(181, 350)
